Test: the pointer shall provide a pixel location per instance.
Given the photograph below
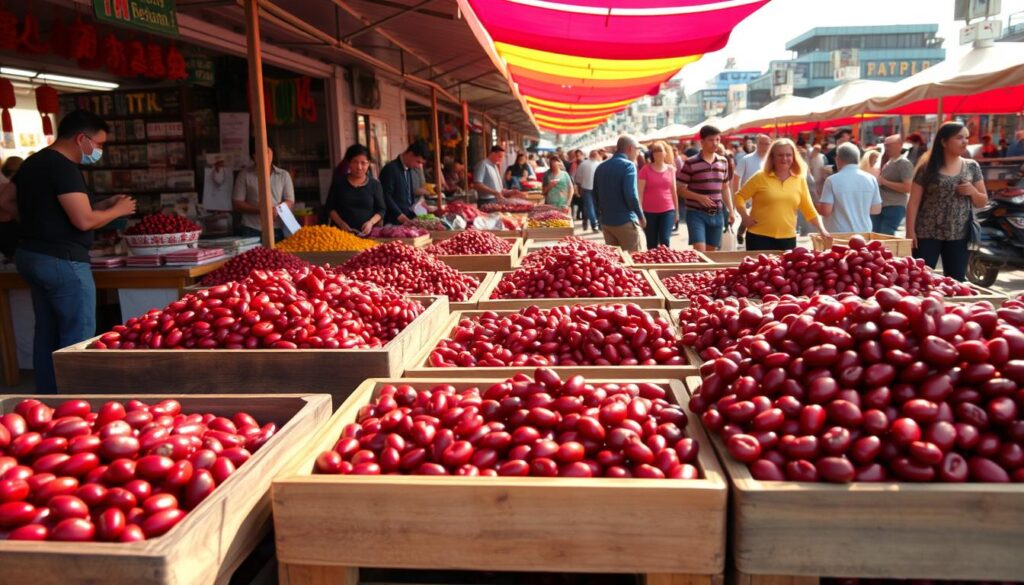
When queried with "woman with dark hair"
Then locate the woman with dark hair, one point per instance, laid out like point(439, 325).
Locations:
point(356, 202)
point(918, 148)
point(946, 187)
point(517, 173)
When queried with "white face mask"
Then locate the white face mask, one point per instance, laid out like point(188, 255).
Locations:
point(93, 157)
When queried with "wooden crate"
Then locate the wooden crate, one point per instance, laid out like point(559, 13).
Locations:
point(327, 526)
point(437, 236)
point(654, 301)
point(533, 244)
point(704, 261)
point(213, 539)
point(332, 258)
point(487, 262)
point(898, 246)
point(548, 232)
point(336, 371)
point(984, 294)
point(418, 241)
point(888, 530)
point(672, 301)
point(734, 258)
point(421, 368)
point(468, 305)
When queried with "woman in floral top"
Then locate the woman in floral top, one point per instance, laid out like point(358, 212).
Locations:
point(946, 188)
point(558, 187)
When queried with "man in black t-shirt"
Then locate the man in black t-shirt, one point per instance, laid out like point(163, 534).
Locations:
point(55, 230)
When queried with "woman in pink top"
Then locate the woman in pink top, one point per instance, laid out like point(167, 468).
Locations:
point(656, 184)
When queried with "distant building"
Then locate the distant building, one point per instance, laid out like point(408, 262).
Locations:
point(1014, 31)
point(886, 53)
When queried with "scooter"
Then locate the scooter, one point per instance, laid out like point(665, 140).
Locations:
point(1002, 237)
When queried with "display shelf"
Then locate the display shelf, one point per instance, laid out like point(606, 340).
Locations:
point(327, 526)
point(213, 539)
point(653, 301)
point(192, 371)
point(421, 368)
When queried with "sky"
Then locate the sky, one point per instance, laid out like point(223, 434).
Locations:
point(762, 37)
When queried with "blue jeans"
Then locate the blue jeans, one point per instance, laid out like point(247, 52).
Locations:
point(589, 213)
point(954, 254)
point(888, 220)
point(64, 301)
point(705, 228)
point(659, 228)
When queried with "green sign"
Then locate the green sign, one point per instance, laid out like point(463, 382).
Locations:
point(156, 16)
point(201, 70)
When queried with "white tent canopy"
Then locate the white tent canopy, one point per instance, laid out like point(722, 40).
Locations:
point(787, 108)
point(980, 69)
point(847, 99)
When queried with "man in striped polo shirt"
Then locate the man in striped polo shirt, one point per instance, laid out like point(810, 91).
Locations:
point(704, 184)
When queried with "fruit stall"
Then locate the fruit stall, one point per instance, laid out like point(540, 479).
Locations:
point(798, 416)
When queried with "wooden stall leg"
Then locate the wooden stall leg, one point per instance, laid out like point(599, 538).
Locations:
point(317, 575)
point(682, 579)
point(8, 345)
point(739, 578)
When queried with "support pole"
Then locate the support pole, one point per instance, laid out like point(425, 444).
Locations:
point(259, 120)
point(438, 170)
point(465, 144)
point(941, 118)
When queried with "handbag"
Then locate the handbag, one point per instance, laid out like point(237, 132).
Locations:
point(973, 232)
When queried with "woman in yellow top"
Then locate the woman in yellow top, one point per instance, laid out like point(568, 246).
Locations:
point(776, 193)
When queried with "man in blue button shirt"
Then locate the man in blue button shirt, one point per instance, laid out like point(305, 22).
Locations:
point(396, 180)
point(622, 220)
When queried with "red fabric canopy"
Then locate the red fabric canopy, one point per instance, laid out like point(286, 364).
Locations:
point(665, 30)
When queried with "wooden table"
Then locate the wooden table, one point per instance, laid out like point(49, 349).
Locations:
point(169, 277)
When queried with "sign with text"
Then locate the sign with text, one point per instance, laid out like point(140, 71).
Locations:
point(157, 16)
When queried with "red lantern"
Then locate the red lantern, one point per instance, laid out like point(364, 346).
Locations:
point(136, 58)
point(114, 55)
point(7, 101)
point(29, 41)
point(8, 30)
point(83, 40)
point(175, 64)
point(155, 61)
point(305, 104)
point(60, 38)
point(47, 103)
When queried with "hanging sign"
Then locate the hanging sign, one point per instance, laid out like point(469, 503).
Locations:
point(201, 71)
point(157, 16)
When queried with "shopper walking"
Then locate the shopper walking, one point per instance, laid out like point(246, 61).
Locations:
point(656, 184)
point(751, 164)
point(558, 185)
point(704, 185)
point(356, 202)
point(850, 197)
point(918, 148)
point(776, 194)
point(895, 174)
point(1016, 148)
point(49, 197)
point(622, 219)
point(245, 198)
point(946, 188)
point(585, 179)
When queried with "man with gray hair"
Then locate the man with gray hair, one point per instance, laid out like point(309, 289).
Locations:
point(850, 197)
point(622, 220)
point(894, 176)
